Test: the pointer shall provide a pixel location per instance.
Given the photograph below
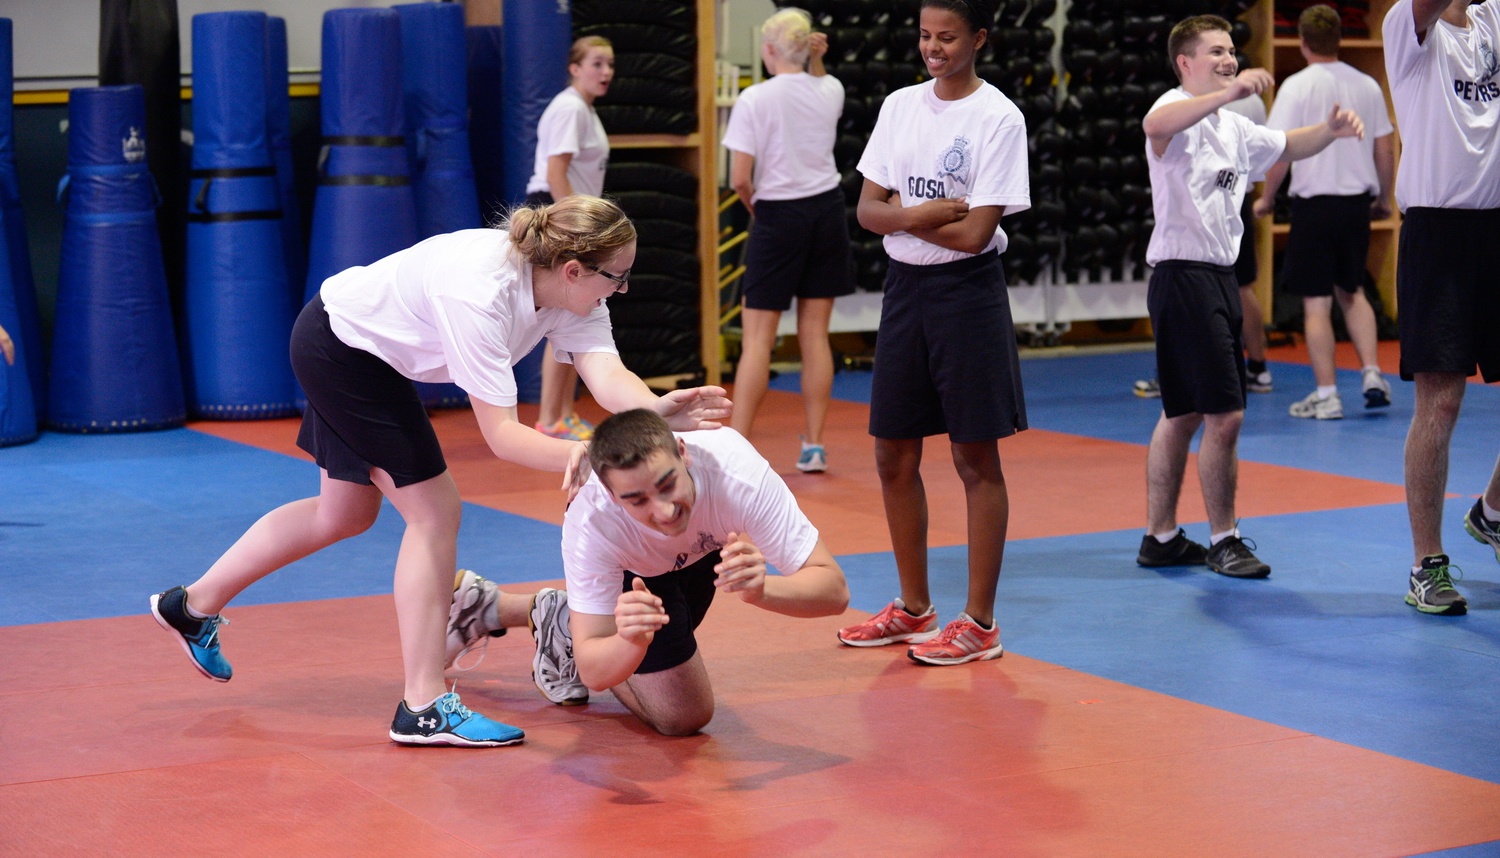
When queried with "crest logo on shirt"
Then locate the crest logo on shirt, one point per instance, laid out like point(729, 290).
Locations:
point(955, 161)
point(1483, 90)
point(705, 543)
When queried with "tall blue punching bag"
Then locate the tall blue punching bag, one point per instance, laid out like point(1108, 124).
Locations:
point(114, 354)
point(239, 306)
point(486, 120)
point(537, 39)
point(279, 134)
point(364, 208)
point(26, 328)
point(437, 136)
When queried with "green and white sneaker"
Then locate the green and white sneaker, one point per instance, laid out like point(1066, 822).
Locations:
point(1431, 590)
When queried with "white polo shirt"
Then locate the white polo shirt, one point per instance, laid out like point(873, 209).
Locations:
point(570, 126)
point(1347, 166)
point(789, 124)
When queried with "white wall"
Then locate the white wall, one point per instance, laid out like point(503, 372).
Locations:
point(57, 41)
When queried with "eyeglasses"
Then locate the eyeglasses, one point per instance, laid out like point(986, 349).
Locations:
point(620, 280)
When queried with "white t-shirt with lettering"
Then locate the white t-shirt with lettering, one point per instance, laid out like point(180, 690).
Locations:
point(456, 307)
point(1446, 89)
point(1199, 184)
point(736, 492)
point(1347, 166)
point(789, 124)
point(570, 126)
point(925, 148)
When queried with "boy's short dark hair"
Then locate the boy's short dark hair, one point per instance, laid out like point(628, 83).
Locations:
point(625, 440)
point(1184, 37)
point(1321, 27)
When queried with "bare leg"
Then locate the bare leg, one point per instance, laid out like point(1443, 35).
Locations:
point(1359, 318)
point(1219, 467)
point(678, 701)
point(988, 506)
point(285, 534)
point(1166, 461)
point(898, 462)
point(1317, 327)
point(817, 363)
point(1439, 397)
point(1254, 327)
point(1492, 492)
point(424, 578)
point(754, 370)
point(559, 388)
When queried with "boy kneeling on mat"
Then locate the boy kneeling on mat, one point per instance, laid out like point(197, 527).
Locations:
point(663, 524)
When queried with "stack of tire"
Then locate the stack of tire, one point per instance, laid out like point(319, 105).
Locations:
point(1115, 54)
point(656, 45)
point(1018, 60)
point(653, 92)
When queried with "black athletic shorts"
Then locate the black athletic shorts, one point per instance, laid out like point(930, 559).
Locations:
point(1246, 268)
point(1196, 314)
point(1448, 291)
point(685, 595)
point(361, 413)
point(798, 248)
point(1328, 245)
point(945, 354)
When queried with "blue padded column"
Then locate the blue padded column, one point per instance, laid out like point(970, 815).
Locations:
point(364, 208)
point(239, 306)
point(15, 277)
point(114, 356)
point(436, 95)
point(486, 122)
point(279, 134)
point(537, 39)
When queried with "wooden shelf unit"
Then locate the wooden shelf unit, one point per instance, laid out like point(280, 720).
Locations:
point(1281, 55)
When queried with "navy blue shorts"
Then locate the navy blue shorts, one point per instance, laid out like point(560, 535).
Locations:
point(1446, 292)
point(1196, 314)
point(798, 248)
point(685, 595)
point(1328, 246)
point(945, 354)
point(361, 413)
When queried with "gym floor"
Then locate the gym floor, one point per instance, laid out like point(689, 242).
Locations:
point(1136, 711)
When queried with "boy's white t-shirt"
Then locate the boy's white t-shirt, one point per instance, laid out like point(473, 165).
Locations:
point(925, 148)
point(456, 307)
point(1198, 185)
point(570, 126)
point(789, 124)
point(1347, 166)
point(1446, 89)
point(736, 492)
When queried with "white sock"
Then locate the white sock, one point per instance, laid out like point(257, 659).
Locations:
point(1164, 538)
point(1327, 390)
point(1490, 513)
point(1216, 538)
point(1374, 369)
point(428, 705)
point(192, 613)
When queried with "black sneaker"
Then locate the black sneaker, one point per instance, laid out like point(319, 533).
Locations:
point(1177, 551)
point(199, 638)
point(1231, 556)
point(1482, 529)
point(1431, 588)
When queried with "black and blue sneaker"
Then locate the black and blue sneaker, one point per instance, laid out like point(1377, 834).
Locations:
point(1482, 529)
point(199, 638)
point(448, 722)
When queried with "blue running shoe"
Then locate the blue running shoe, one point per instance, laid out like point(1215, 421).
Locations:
point(449, 722)
point(199, 638)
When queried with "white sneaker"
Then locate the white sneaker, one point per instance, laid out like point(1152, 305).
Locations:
point(1377, 389)
point(552, 667)
point(1259, 382)
point(1319, 409)
point(468, 617)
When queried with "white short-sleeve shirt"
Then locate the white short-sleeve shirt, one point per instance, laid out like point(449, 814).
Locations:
point(924, 148)
point(1198, 185)
point(736, 492)
point(1446, 89)
point(789, 124)
point(570, 126)
point(1347, 166)
point(456, 307)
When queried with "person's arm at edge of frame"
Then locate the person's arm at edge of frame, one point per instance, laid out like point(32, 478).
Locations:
point(816, 589)
point(1266, 202)
point(1425, 14)
point(741, 173)
point(1385, 173)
